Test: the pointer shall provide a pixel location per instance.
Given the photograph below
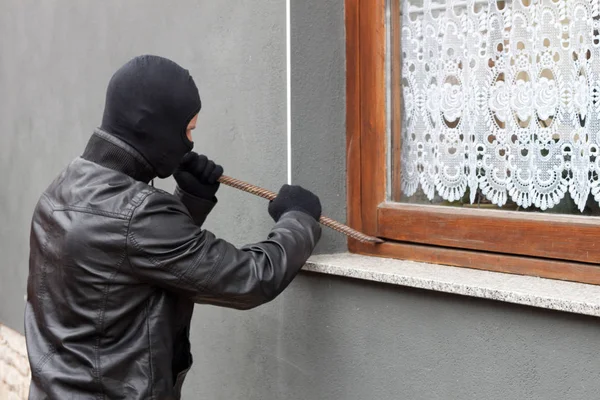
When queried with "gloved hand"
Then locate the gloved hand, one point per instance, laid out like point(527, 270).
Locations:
point(295, 198)
point(198, 176)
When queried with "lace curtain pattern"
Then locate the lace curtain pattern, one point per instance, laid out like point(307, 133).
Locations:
point(502, 98)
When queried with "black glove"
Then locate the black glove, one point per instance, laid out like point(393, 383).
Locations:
point(295, 198)
point(198, 176)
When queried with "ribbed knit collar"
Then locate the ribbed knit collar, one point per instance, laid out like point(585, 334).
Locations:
point(111, 152)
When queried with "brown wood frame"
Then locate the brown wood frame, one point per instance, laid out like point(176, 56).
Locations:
point(554, 246)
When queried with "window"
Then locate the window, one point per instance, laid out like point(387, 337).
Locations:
point(473, 133)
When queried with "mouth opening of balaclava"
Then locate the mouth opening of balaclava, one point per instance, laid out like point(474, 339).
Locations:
point(149, 103)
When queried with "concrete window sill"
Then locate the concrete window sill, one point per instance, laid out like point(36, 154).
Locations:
point(526, 290)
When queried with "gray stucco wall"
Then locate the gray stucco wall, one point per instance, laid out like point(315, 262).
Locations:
point(339, 339)
point(325, 338)
point(318, 46)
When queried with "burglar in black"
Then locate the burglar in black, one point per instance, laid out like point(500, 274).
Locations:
point(117, 265)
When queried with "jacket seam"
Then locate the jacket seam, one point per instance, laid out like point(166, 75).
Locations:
point(101, 315)
point(127, 235)
point(216, 266)
point(43, 288)
point(47, 198)
point(182, 195)
point(197, 261)
point(90, 210)
point(156, 263)
point(151, 357)
point(40, 365)
point(87, 210)
point(138, 199)
point(43, 283)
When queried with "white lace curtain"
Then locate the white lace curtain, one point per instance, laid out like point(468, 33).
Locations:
point(501, 97)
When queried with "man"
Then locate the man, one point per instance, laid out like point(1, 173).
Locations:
point(116, 265)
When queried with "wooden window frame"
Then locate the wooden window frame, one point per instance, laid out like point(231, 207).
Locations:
point(564, 247)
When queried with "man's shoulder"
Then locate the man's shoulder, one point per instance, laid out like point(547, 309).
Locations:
point(155, 200)
point(88, 187)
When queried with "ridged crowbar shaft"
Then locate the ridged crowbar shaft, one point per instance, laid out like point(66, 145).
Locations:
point(267, 194)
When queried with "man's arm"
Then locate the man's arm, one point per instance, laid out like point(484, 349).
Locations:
point(167, 248)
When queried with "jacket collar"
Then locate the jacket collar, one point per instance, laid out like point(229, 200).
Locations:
point(111, 152)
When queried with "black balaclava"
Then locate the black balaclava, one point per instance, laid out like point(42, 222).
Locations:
point(149, 103)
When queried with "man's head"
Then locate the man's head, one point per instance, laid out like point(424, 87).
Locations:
point(152, 104)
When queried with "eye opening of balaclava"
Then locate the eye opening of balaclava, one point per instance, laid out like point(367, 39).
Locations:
point(149, 103)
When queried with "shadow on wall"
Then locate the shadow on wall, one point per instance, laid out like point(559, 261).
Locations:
point(14, 366)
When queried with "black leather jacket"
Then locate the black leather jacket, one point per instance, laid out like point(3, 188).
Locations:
point(116, 266)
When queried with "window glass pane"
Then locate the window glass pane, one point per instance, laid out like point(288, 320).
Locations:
point(500, 105)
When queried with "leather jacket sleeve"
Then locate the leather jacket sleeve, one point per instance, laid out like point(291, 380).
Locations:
point(197, 207)
point(167, 248)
